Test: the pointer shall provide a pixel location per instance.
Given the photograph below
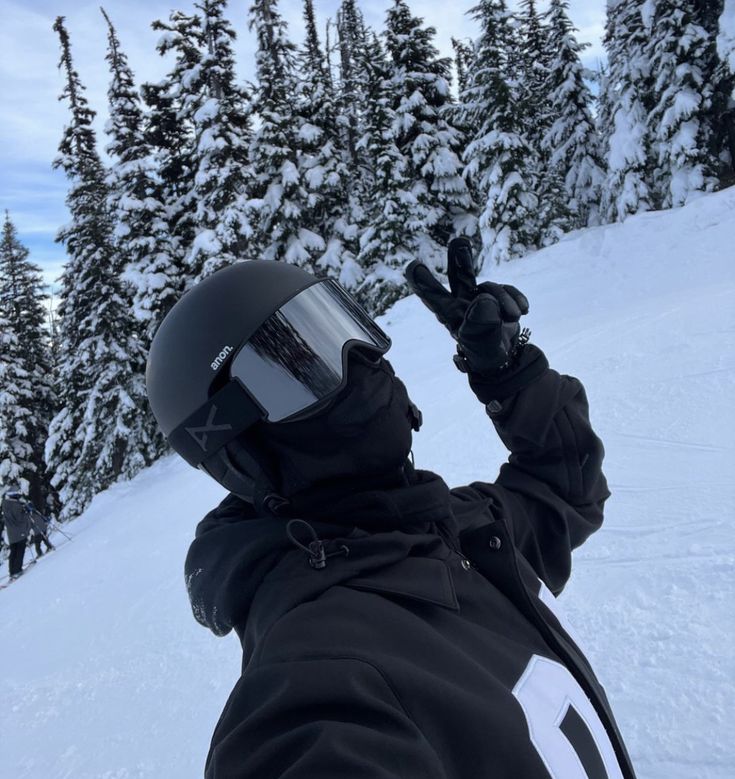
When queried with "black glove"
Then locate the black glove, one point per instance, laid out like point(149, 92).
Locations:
point(484, 320)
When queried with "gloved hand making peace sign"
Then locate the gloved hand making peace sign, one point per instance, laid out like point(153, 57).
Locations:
point(484, 320)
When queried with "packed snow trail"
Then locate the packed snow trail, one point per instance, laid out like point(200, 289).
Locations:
point(104, 673)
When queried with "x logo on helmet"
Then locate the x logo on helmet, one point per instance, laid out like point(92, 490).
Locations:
point(200, 434)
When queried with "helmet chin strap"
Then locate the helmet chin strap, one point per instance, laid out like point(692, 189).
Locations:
point(235, 468)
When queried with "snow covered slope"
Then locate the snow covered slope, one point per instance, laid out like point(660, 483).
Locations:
point(104, 674)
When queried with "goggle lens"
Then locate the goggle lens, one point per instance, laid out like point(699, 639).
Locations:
point(295, 359)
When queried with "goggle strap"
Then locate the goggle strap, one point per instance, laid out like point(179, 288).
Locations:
point(223, 417)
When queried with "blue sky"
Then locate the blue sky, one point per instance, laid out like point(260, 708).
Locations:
point(33, 118)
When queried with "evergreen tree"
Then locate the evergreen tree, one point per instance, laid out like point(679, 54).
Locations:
point(680, 53)
point(570, 143)
point(355, 64)
point(628, 151)
point(54, 339)
point(26, 399)
point(324, 162)
point(463, 55)
point(718, 19)
point(529, 78)
point(389, 241)
point(419, 82)
point(102, 431)
point(16, 452)
point(603, 110)
point(221, 160)
point(498, 157)
point(170, 129)
point(535, 59)
point(141, 236)
point(725, 31)
point(279, 196)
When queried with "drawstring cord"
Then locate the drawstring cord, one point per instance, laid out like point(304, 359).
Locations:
point(315, 549)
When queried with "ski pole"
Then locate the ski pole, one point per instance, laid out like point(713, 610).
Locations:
point(54, 526)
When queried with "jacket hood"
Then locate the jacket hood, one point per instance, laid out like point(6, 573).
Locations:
point(243, 570)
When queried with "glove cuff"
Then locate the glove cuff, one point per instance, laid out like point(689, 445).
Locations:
point(530, 364)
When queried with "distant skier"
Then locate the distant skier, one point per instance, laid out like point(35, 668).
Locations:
point(40, 528)
point(17, 527)
point(392, 628)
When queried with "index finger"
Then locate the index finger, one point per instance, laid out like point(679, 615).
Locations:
point(432, 293)
point(460, 268)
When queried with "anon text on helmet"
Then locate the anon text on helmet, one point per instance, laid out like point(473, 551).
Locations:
point(220, 358)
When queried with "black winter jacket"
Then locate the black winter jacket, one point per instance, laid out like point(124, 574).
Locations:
point(17, 520)
point(430, 649)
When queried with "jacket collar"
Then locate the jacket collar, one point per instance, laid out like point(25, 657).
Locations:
point(243, 572)
point(413, 498)
point(407, 565)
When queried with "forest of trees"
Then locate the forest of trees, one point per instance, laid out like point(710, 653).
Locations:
point(351, 153)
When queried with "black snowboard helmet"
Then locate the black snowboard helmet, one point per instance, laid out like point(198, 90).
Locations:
point(258, 340)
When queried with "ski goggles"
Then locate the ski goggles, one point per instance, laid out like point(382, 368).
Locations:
point(292, 365)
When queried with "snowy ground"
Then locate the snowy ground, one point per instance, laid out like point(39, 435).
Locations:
point(105, 675)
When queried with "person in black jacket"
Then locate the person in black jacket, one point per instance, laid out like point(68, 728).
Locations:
point(40, 528)
point(17, 526)
point(392, 627)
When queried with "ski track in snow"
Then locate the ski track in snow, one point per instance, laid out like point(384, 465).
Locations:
point(106, 675)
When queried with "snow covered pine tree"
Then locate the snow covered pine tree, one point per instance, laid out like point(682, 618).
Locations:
point(721, 60)
point(279, 195)
point(170, 130)
point(389, 241)
point(141, 232)
point(682, 61)
point(528, 75)
point(27, 403)
point(16, 454)
point(726, 36)
point(103, 430)
point(220, 160)
point(627, 188)
point(324, 162)
point(498, 157)
point(354, 41)
point(571, 143)
point(419, 81)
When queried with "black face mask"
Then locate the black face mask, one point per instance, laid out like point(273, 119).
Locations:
point(363, 436)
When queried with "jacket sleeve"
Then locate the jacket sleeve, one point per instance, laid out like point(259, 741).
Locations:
point(552, 489)
point(329, 718)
